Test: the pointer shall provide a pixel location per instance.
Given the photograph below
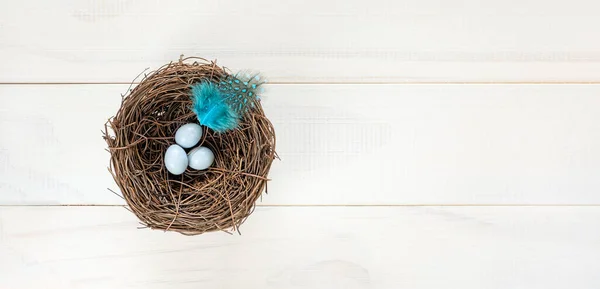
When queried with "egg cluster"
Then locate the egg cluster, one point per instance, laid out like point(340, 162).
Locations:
point(199, 158)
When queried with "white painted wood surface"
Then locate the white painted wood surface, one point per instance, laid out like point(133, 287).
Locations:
point(427, 144)
point(328, 248)
point(339, 144)
point(305, 41)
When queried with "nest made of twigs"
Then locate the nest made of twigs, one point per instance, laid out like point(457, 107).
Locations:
point(219, 198)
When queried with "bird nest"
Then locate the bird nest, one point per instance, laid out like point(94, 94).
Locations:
point(219, 198)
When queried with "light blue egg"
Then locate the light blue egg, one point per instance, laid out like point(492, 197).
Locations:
point(176, 160)
point(188, 135)
point(200, 158)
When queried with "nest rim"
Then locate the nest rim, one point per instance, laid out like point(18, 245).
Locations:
point(217, 199)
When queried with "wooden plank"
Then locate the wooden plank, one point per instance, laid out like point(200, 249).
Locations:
point(339, 144)
point(359, 248)
point(308, 41)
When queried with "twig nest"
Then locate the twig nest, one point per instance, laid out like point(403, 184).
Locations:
point(220, 197)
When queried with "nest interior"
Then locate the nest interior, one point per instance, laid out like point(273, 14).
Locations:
point(219, 198)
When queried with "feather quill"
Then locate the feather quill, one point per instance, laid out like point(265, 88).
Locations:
point(211, 108)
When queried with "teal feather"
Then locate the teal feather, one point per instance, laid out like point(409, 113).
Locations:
point(212, 109)
point(242, 90)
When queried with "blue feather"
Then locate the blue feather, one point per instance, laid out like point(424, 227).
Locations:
point(211, 107)
point(241, 90)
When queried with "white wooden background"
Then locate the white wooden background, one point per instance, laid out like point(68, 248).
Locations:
point(424, 144)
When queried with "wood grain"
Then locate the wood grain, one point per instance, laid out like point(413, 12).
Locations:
point(339, 144)
point(417, 247)
point(357, 159)
point(308, 41)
